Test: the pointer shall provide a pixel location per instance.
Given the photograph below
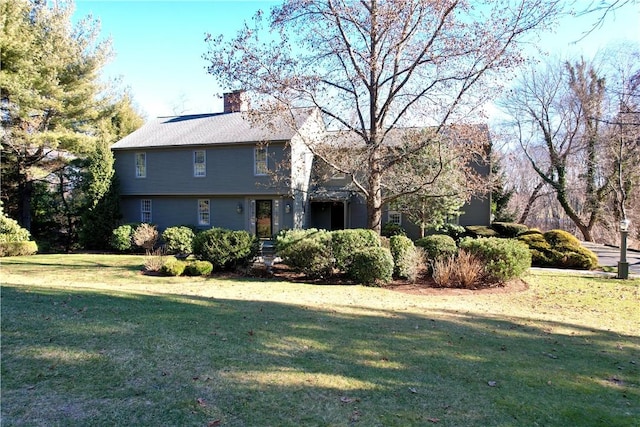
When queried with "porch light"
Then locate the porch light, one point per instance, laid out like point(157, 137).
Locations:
point(287, 208)
point(239, 208)
point(623, 265)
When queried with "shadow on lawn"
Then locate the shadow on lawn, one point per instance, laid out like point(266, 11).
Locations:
point(75, 357)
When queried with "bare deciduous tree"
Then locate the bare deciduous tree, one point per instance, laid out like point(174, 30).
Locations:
point(374, 66)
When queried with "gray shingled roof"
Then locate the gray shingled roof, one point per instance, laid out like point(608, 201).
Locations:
point(201, 129)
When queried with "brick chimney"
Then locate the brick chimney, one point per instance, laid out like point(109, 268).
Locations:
point(235, 101)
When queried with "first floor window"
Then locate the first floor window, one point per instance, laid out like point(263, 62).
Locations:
point(394, 217)
point(145, 211)
point(260, 155)
point(141, 165)
point(199, 163)
point(204, 212)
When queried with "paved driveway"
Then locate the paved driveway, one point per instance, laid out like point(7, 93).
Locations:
point(608, 256)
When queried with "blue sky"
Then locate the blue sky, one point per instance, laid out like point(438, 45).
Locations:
point(159, 46)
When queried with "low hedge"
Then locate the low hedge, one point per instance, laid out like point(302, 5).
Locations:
point(18, 248)
point(173, 267)
point(509, 230)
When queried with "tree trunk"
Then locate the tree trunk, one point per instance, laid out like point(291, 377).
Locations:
point(374, 201)
point(25, 191)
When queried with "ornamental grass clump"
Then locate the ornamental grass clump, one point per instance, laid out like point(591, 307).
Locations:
point(462, 270)
point(145, 236)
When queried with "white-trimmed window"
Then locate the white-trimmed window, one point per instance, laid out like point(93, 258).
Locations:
point(260, 161)
point(199, 163)
point(145, 210)
point(141, 165)
point(394, 217)
point(204, 212)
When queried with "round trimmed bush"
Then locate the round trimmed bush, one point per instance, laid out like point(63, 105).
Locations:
point(372, 266)
point(122, 238)
point(403, 252)
point(558, 248)
point(225, 249)
point(344, 243)
point(178, 240)
point(198, 268)
point(173, 267)
point(18, 248)
point(312, 257)
point(10, 230)
point(503, 259)
point(392, 229)
point(541, 252)
point(438, 246)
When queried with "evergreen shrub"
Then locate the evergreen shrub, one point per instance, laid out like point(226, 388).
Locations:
point(406, 262)
point(477, 231)
point(198, 268)
point(344, 243)
point(178, 240)
point(18, 248)
point(392, 229)
point(503, 259)
point(11, 231)
point(122, 238)
point(311, 256)
point(437, 246)
point(173, 267)
point(558, 248)
point(509, 230)
point(372, 266)
point(225, 249)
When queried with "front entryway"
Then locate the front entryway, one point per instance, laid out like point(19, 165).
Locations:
point(264, 219)
point(327, 215)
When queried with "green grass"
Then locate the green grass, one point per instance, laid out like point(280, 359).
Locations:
point(88, 340)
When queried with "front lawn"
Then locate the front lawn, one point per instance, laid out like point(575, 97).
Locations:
point(88, 340)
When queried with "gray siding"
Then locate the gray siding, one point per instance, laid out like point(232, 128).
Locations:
point(175, 211)
point(229, 171)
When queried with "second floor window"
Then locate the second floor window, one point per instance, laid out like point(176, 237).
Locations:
point(204, 212)
point(145, 211)
point(141, 165)
point(199, 163)
point(394, 217)
point(260, 156)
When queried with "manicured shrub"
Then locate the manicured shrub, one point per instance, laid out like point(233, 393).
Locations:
point(406, 259)
point(178, 240)
point(198, 268)
point(503, 259)
point(569, 252)
point(476, 231)
point(225, 249)
point(10, 230)
point(454, 231)
point(372, 266)
point(145, 236)
point(122, 238)
point(437, 246)
point(311, 256)
point(541, 252)
point(173, 267)
point(18, 248)
point(391, 229)
point(286, 239)
point(509, 230)
point(558, 248)
point(344, 243)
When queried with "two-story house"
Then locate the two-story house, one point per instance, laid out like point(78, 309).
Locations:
point(228, 170)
